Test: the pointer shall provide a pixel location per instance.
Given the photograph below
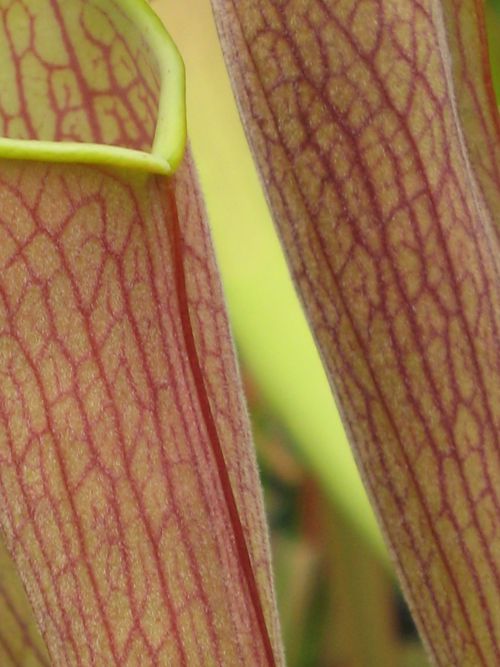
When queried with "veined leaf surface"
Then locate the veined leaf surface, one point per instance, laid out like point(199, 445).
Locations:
point(129, 494)
point(377, 142)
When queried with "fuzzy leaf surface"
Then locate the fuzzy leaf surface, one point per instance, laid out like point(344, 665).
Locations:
point(377, 144)
point(130, 499)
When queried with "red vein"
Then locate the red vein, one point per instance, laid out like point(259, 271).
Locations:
point(239, 535)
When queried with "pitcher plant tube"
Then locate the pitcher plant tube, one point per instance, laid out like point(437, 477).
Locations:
point(376, 132)
point(130, 500)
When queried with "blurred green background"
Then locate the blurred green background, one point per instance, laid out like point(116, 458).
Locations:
point(340, 605)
